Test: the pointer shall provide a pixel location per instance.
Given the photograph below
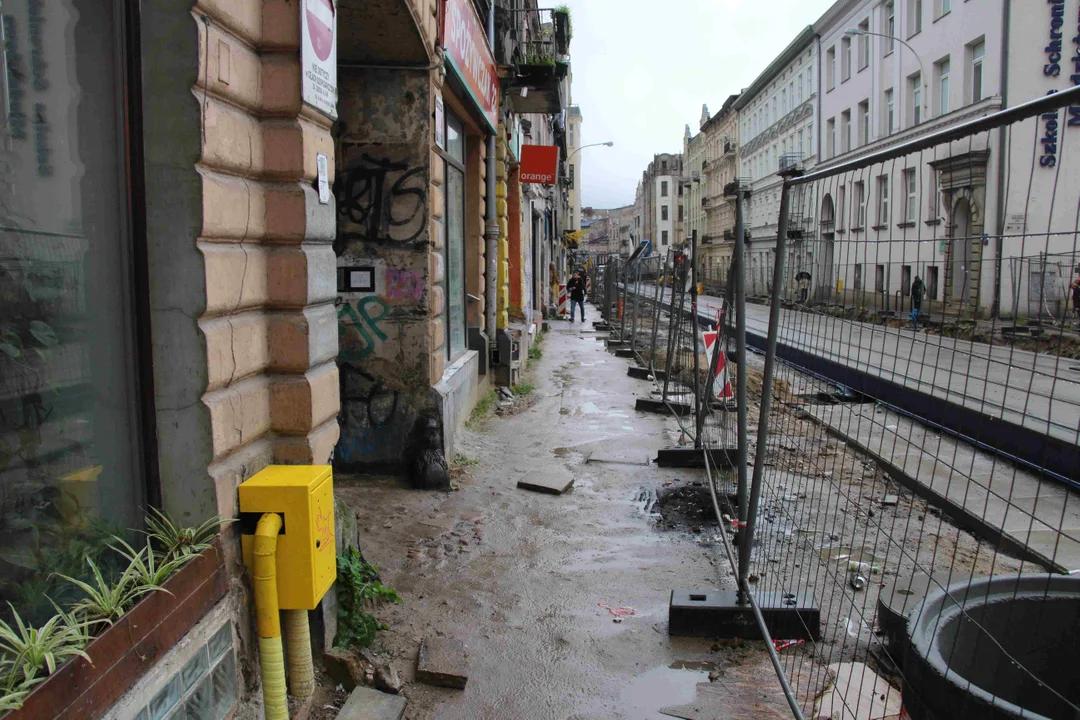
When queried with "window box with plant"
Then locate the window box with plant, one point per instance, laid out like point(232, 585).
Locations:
point(92, 650)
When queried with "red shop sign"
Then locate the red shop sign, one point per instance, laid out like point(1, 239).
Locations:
point(539, 164)
point(470, 57)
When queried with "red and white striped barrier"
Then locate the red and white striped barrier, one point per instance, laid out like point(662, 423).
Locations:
point(588, 285)
point(721, 383)
point(562, 300)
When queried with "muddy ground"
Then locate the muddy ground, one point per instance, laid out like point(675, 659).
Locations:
point(562, 600)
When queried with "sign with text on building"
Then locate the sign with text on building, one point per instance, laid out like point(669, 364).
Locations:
point(539, 164)
point(318, 55)
point(469, 55)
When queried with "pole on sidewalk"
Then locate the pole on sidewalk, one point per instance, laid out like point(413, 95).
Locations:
point(746, 540)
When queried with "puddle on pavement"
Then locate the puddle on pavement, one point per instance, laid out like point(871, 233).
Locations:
point(662, 687)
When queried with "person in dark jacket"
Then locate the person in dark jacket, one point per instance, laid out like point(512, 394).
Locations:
point(1075, 287)
point(918, 291)
point(576, 288)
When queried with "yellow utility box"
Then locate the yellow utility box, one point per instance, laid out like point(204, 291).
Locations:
point(306, 554)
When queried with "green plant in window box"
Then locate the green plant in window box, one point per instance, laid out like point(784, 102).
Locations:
point(29, 653)
point(106, 601)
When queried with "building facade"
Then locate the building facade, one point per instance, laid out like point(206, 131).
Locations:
point(198, 278)
point(695, 154)
point(879, 232)
point(661, 198)
point(777, 118)
point(574, 178)
point(721, 169)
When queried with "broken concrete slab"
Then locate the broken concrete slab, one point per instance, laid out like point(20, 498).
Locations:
point(367, 704)
point(618, 456)
point(442, 662)
point(553, 483)
point(660, 407)
point(855, 685)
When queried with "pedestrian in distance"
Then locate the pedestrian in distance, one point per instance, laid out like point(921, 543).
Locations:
point(918, 290)
point(1075, 287)
point(576, 288)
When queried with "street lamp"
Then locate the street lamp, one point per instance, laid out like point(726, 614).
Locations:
point(609, 143)
point(922, 71)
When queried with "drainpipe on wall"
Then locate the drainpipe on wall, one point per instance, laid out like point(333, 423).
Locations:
point(999, 246)
point(491, 225)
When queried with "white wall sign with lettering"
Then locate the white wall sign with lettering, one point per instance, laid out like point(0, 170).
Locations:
point(318, 55)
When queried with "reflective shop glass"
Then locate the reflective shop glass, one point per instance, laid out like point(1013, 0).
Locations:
point(455, 238)
point(69, 470)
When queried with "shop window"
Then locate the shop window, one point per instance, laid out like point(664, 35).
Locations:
point(71, 468)
point(454, 283)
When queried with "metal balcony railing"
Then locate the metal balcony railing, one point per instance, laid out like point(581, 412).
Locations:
point(789, 161)
point(532, 36)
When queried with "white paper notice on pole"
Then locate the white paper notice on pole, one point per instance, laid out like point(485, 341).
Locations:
point(318, 54)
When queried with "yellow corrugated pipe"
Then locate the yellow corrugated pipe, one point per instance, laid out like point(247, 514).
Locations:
point(298, 645)
point(275, 705)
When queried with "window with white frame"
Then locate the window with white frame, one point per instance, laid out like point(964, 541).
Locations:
point(809, 83)
point(799, 87)
point(783, 102)
point(890, 112)
point(941, 70)
point(663, 188)
point(830, 68)
point(883, 200)
point(889, 26)
point(911, 199)
point(845, 59)
point(864, 122)
point(663, 212)
point(830, 137)
point(810, 138)
point(858, 205)
point(915, 97)
point(914, 17)
point(791, 92)
point(977, 52)
point(864, 44)
point(841, 197)
point(942, 8)
point(845, 131)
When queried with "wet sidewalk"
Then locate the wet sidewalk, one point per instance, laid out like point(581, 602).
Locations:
point(535, 584)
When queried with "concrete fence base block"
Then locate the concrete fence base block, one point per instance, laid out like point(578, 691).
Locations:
point(690, 457)
point(640, 373)
point(718, 614)
point(624, 353)
point(659, 406)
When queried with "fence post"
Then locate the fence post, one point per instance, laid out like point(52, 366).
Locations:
point(746, 539)
point(636, 291)
point(694, 330)
point(657, 303)
point(673, 326)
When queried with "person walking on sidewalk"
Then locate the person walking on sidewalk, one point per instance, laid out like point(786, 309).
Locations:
point(576, 288)
point(918, 290)
point(1075, 287)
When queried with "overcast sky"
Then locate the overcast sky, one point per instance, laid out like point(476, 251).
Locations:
point(642, 69)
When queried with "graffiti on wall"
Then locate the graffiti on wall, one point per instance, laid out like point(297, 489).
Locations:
point(387, 200)
point(360, 327)
point(404, 285)
point(369, 409)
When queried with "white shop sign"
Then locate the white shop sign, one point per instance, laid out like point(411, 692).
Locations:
point(318, 55)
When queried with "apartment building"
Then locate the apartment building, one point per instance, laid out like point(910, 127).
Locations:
point(777, 122)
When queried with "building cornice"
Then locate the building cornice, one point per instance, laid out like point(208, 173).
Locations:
point(801, 42)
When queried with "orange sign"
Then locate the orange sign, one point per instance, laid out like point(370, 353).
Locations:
point(539, 164)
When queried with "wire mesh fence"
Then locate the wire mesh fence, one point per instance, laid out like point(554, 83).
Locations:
point(917, 416)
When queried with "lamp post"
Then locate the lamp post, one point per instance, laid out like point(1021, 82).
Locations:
point(922, 70)
point(609, 143)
